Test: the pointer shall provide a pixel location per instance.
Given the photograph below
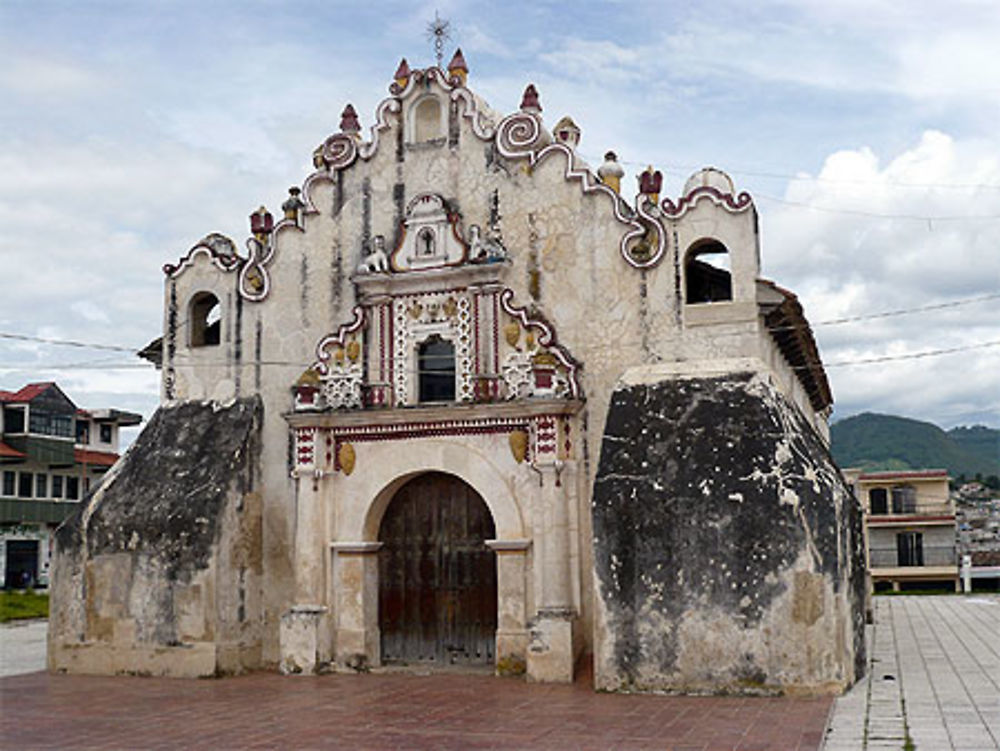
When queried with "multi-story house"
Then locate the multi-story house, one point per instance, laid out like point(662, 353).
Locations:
point(51, 455)
point(909, 528)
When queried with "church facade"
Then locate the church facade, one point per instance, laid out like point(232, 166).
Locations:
point(465, 403)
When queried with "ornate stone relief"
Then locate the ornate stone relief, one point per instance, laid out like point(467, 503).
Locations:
point(522, 136)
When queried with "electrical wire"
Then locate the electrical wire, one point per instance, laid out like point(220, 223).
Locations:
point(682, 170)
point(894, 313)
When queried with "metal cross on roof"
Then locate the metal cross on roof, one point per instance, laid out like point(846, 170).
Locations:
point(438, 31)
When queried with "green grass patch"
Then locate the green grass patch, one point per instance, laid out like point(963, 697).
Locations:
point(17, 605)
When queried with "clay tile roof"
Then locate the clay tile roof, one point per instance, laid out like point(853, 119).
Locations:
point(790, 330)
point(7, 452)
point(25, 393)
point(94, 458)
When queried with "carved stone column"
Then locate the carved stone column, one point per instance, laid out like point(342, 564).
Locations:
point(512, 605)
point(355, 584)
point(551, 653)
point(301, 627)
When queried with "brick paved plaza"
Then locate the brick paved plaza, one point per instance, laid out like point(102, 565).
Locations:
point(387, 711)
point(935, 678)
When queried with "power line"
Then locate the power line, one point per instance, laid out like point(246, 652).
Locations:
point(910, 356)
point(894, 313)
point(66, 342)
point(682, 170)
point(877, 215)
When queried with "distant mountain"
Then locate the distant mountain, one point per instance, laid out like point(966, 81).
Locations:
point(887, 442)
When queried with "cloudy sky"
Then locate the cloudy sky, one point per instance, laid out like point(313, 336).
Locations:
point(866, 131)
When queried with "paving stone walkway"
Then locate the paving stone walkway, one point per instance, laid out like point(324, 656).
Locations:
point(387, 711)
point(934, 680)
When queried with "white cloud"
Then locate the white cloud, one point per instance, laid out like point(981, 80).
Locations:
point(851, 264)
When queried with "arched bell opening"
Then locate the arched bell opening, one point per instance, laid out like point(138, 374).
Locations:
point(708, 273)
point(437, 578)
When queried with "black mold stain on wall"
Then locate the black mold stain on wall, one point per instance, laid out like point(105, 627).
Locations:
point(166, 500)
point(687, 513)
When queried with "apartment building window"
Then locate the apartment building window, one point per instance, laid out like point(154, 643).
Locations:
point(41, 486)
point(24, 481)
point(73, 488)
point(46, 423)
point(83, 432)
point(877, 501)
point(904, 499)
point(910, 548)
point(57, 486)
point(13, 420)
point(9, 482)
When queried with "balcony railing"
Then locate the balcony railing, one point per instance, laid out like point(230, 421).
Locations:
point(914, 509)
point(934, 555)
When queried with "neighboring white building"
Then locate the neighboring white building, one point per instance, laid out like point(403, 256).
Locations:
point(51, 455)
point(441, 370)
point(910, 528)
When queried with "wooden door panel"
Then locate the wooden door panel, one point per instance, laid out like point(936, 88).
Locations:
point(437, 591)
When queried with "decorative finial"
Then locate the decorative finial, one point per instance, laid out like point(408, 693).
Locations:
point(529, 102)
point(261, 224)
point(457, 67)
point(438, 32)
point(650, 183)
point(611, 172)
point(402, 74)
point(294, 204)
point(567, 132)
point(349, 120)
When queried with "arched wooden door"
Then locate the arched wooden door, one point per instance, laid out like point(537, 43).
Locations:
point(437, 578)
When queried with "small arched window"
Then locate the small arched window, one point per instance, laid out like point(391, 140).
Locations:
point(877, 501)
point(205, 320)
point(426, 120)
point(436, 369)
point(707, 273)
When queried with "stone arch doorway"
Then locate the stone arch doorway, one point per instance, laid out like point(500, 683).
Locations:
point(437, 577)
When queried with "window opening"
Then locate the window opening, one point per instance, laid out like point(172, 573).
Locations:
point(105, 433)
point(910, 548)
point(877, 502)
point(47, 423)
point(13, 420)
point(41, 486)
point(57, 486)
point(73, 488)
point(205, 320)
point(24, 481)
point(9, 482)
point(436, 368)
point(904, 499)
point(707, 273)
point(83, 432)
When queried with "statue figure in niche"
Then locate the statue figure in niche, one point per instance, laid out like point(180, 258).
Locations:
point(376, 261)
point(425, 243)
point(484, 249)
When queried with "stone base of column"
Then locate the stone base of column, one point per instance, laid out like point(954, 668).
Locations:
point(512, 651)
point(299, 638)
point(358, 649)
point(551, 654)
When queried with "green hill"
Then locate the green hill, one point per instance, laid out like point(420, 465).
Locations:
point(887, 442)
